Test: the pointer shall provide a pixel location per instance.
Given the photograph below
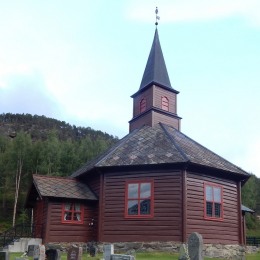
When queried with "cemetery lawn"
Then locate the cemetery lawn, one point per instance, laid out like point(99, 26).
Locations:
point(139, 256)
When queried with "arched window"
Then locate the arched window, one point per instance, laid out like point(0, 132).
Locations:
point(142, 105)
point(165, 103)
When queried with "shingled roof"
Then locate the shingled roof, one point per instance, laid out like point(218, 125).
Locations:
point(161, 144)
point(61, 187)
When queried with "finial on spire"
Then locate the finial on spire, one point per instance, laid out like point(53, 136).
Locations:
point(156, 16)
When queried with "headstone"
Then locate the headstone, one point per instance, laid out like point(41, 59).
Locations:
point(74, 253)
point(36, 252)
point(195, 246)
point(4, 255)
point(122, 257)
point(183, 252)
point(108, 251)
point(42, 254)
point(31, 250)
point(53, 254)
point(92, 250)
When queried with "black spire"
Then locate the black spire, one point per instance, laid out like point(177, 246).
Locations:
point(155, 71)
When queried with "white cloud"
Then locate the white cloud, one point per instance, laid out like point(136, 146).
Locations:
point(195, 10)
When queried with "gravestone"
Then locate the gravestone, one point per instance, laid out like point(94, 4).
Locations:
point(42, 254)
point(122, 257)
point(4, 255)
point(195, 246)
point(108, 251)
point(39, 252)
point(74, 253)
point(31, 249)
point(53, 254)
point(36, 252)
point(183, 252)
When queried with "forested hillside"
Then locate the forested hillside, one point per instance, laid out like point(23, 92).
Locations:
point(40, 145)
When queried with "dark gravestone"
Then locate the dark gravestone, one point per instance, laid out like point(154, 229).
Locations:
point(53, 254)
point(4, 255)
point(31, 249)
point(195, 246)
point(74, 253)
point(36, 252)
point(92, 250)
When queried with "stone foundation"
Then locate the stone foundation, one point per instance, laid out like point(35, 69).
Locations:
point(232, 252)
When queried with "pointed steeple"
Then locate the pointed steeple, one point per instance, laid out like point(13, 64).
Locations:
point(155, 71)
point(155, 101)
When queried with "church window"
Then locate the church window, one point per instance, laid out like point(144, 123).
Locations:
point(139, 199)
point(72, 213)
point(142, 105)
point(165, 103)
point(213, 207)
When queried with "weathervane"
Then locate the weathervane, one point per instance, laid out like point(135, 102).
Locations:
point(156, 16)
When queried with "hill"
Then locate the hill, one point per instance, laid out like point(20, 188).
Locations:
point(40, 145)
point(40, 126)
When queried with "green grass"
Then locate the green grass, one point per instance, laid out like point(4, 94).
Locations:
point(141, 256)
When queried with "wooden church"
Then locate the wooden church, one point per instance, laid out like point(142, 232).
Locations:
point(155, 184)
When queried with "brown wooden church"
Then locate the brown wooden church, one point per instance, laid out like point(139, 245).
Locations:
point(155, 184)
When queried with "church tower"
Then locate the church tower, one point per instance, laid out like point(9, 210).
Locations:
point(155, 101)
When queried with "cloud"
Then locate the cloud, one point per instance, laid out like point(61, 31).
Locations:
point(195, 10)
point(26, 93)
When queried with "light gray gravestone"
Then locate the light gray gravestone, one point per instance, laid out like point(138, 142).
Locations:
point(122, 257)
point(195, 246)
point(183, 252)
point(108, 251)
point(42, 255)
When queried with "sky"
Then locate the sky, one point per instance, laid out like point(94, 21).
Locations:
point(80, 61)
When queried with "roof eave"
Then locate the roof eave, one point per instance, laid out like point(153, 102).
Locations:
point(156, 84)
point(243, 177)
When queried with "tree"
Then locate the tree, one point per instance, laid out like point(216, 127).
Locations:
point(19, 157)
point(249, 195)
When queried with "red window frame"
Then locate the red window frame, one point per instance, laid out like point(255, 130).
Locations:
point(139, 199)
point(165, 103)
point(142, 105)
point(215, 204)
point(73, 212)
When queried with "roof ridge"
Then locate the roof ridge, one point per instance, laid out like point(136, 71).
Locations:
point(174, 143)
point(54, 177)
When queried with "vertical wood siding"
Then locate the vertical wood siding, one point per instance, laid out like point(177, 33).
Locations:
point(166, 224)
point(61, 232)
point(223, 232)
